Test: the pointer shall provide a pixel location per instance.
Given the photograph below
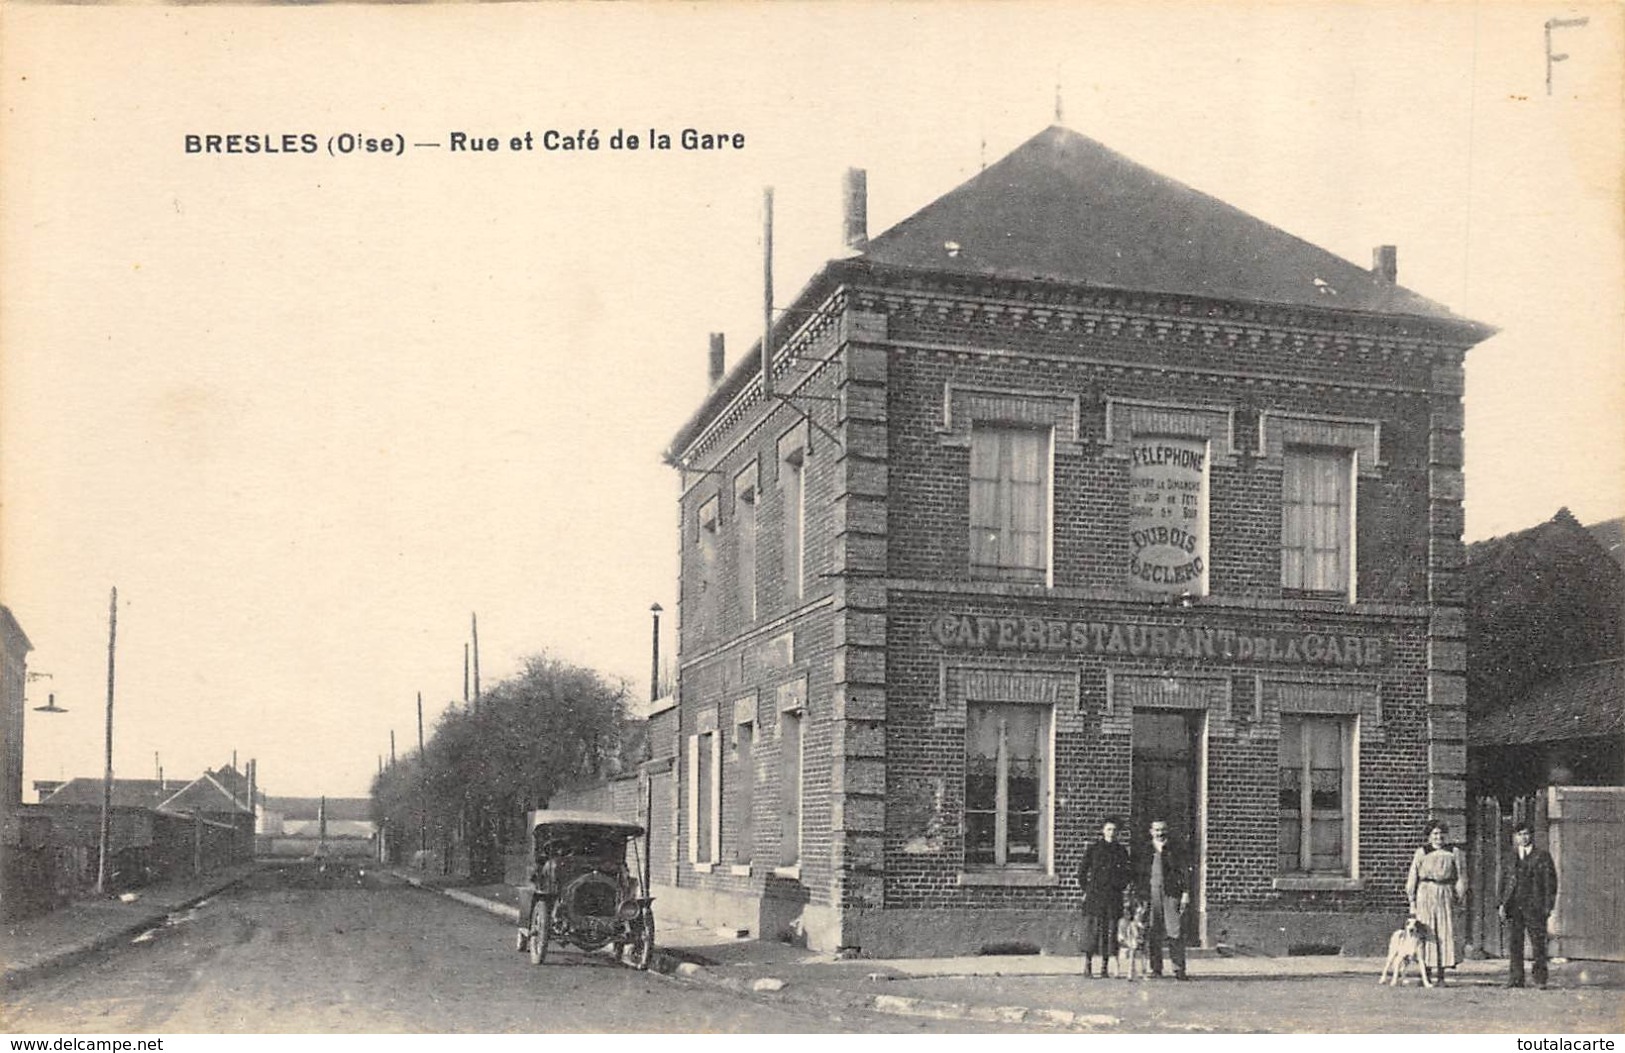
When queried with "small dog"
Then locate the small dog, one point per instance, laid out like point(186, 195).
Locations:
point(1404, 946)
point(1131, 941)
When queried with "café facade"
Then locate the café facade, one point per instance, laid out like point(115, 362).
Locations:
point(1078, 493)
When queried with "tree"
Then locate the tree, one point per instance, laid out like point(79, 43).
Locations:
point(551, 725)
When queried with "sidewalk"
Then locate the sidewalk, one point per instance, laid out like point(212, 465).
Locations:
point(33, 947)
point(1050, 991)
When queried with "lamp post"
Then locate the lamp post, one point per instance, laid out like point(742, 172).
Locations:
point(654, 654)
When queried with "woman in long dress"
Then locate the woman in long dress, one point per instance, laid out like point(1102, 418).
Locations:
point(1437, 882)
point(1102, 876)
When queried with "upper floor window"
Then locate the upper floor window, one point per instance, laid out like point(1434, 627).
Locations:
point(745, 541)
point(1317, 522)
point(708, 529)
point(1010, 469)
point(793, 489)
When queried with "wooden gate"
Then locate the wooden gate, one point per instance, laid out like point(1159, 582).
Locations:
point(1584, 829)
point(1489, 854)
point(1586, 836)
point(662, 840)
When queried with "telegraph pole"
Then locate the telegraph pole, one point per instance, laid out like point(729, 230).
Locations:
point(423, 785)
point(474, 620)
point(107, 775)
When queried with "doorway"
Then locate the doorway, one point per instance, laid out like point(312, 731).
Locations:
point(1167, 777)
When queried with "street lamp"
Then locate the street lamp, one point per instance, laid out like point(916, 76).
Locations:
point(50, 699)
point(654, 655)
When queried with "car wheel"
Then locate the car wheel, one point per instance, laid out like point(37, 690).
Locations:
point(538, 934)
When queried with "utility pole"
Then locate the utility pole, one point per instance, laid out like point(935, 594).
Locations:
point(107, 776)
point(423, 785)
point(391, 751)
point(253, 808)
point(475, 622)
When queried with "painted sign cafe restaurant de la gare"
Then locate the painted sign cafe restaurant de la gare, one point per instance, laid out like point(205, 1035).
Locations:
point(1078, 493)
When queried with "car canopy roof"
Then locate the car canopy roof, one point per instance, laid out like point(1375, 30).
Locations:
point(547, 820)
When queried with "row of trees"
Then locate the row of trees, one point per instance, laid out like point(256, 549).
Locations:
point(551, 726)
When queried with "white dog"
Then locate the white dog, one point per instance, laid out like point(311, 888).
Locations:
point(1405, 945)
point(1131, 939)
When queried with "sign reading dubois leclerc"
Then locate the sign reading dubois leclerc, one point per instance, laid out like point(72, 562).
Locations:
point(1167, 516)
point(1197, 642)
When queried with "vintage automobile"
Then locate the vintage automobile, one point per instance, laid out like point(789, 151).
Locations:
point(587, 887)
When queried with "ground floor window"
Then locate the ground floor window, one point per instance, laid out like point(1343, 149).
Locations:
point(1006, 784)
point(1317, 783)
point(705, 797)
point(789, 788)
point(745, 791)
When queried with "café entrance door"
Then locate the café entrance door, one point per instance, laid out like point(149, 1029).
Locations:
point(1167, 781)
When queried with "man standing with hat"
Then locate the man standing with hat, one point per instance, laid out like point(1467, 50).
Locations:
point(1528, 892)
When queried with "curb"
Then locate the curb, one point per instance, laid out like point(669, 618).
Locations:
point(501, 910)
point(891, 1005)
point(675, 967)
point(27, 972)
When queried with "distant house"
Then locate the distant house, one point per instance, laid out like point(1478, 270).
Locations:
point(156, 827)
point(1567, 730)
point(1546, 676)
point(308, 826)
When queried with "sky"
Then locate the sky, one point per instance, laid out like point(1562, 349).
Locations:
point(308, 413)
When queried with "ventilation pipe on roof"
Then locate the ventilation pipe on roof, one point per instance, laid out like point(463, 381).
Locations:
point(855, 211)
point(713, 372)
point(1385, 263)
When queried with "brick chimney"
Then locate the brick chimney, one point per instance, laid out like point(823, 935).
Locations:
point(714, 368)
point(1385, 263)
point(855, 211)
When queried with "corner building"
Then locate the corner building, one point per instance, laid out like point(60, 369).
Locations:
point(1078, 493)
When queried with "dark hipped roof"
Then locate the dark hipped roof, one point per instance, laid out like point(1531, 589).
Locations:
point(202, 794)
point(1539, 601)
point(1063, 207)
point(1610, 534)
point(127, 793)
point(1588, 702)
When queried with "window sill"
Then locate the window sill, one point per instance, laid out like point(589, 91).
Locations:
point(704, 868)
point(1318, 883)
point(1008, 879)
point(740, 870)
point(791, 872)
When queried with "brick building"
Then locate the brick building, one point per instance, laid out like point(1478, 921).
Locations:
point(14, 648)
point(1077, 493)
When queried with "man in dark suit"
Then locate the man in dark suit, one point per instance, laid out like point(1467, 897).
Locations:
point(1528, 891)
point(1162, 876)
